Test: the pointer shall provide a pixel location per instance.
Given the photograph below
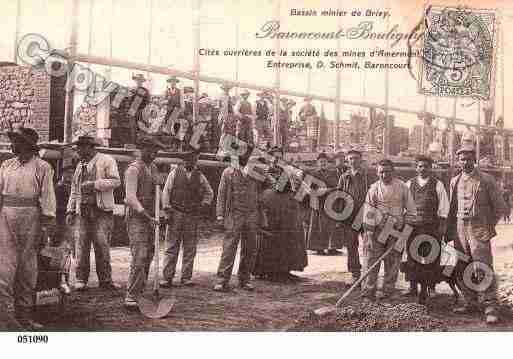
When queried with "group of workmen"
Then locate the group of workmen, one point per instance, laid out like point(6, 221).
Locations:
point(274, 229)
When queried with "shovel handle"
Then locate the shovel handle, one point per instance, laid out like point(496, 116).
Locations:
point(157, 239)
point(364, 275)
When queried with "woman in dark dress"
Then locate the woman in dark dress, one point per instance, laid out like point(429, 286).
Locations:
point(281, 248)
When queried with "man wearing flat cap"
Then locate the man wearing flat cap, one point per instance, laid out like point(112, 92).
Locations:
point(321, 229)
point(141, 178)
point(90, 207)
point(187, 194)
point(27, 204)
point(475, 208)
point(353, 181)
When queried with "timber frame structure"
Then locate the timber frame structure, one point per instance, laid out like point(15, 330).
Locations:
point(196, 76)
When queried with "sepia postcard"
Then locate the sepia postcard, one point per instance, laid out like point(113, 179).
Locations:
point(255, 166)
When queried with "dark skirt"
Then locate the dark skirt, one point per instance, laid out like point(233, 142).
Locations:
point(283, 248)
point(417, 269)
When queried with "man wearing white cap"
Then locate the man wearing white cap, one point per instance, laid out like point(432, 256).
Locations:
point(475, 209)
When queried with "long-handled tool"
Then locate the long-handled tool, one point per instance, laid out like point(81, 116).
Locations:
point(154, 306)
point(321, 312)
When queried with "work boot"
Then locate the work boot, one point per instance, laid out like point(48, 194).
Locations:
point(491, 315)
point(246, 286)
point(466, 309)
point(109, 286)
point(333, 252)
point(355, 279)
point(222, 287)
point(80, 286)
point(130, 303)
point(24, 318)
point(166, 283)
point(187, 282)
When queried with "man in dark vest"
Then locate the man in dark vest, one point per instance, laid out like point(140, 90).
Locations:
point(432, 206)
point(141, 177)
point(475, 208)
point(262, 117)
point(186, 194)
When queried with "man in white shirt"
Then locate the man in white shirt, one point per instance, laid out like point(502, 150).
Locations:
point(432, 207)
point(389, 197)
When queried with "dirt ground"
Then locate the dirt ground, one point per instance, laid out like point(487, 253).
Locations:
point(271, 307)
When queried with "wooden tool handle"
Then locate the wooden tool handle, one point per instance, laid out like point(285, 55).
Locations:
point(157, 238)
point(364, 275)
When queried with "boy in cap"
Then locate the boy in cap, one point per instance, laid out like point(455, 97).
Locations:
point(27, 204)
point(141, 178)
point(186, 195)
point(92, 201)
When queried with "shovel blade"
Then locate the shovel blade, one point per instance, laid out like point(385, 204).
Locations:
point(324, 311)
point(156, 307)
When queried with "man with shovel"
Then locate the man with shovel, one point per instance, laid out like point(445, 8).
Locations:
point(186, 194)
point(388, 197)
point(141, 178)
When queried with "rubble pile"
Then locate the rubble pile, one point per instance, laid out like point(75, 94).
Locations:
point(370, 316)
point(505, 294)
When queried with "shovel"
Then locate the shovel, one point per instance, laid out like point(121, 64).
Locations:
point(154, 306)
point(324, 311)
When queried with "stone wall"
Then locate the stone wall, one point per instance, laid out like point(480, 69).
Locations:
point(24, 100)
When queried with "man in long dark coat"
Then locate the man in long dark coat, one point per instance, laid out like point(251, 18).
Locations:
point(321, 230)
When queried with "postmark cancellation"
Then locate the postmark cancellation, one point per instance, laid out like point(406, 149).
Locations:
point(458, 53)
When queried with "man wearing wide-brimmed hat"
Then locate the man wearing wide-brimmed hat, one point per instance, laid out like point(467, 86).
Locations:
point(476, 207)
point(307, 109)
point(173, 96)
point(227, 119)
point(245, 117)
point(27, 204)
point(262, 112)
point(141, 178)
point(140, 98)
point(186, 195)
point(92, 202)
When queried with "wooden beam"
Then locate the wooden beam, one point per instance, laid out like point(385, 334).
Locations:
point(99, 60)
point(68, 102)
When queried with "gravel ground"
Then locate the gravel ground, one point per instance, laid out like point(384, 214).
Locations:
point(274, 306)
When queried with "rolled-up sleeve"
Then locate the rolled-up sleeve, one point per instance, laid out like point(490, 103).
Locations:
point(443, 200)
point(131, 200)
point(166, 193)
point(111, 180)
point(206, 190)
point(47, 197)
point(221, 194)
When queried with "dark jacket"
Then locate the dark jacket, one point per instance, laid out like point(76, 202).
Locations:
point(487, 203)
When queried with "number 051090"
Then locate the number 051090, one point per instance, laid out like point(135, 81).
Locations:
point(32, 339)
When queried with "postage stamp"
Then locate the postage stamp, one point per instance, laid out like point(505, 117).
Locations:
point(458, 53)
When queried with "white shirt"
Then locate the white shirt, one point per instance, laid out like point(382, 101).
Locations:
point(443, 199)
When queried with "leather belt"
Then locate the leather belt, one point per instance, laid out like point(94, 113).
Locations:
point(15, 201)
